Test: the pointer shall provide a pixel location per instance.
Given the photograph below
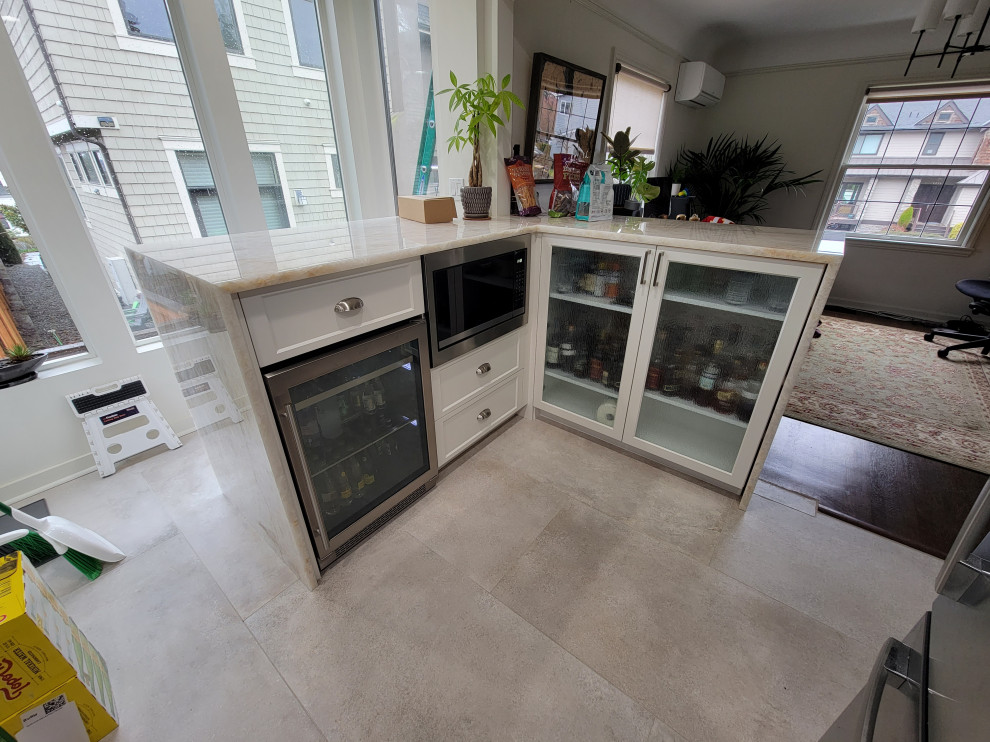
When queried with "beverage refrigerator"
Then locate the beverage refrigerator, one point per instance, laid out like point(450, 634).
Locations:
point(357, 426)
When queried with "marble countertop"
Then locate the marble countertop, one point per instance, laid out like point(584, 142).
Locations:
point(242, 262)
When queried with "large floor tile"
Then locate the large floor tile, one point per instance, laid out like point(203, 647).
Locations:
point(712, 658)
point(182, 663)
point(864, 585)
point(397, 644)
point(659, 503)
point(243, 563)
point(482, 517)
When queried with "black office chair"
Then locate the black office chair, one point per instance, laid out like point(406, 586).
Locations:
point(977, 337)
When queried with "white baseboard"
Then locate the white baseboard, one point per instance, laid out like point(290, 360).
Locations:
point(926, 315)
point(28, 488)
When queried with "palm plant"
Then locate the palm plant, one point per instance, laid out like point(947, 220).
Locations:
point(480, 103)
point(732, 178)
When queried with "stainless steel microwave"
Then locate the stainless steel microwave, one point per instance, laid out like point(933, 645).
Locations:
point(474, 294)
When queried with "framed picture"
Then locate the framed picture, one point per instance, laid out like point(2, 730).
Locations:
point(565, 109)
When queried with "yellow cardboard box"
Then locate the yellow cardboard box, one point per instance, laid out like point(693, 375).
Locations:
point(45, 660)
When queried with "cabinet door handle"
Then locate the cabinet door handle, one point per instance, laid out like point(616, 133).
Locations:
point(483, 369)
point(900, 667)
point(351, 304)
point(484, 414)
point(642, 275)
point(656, 270)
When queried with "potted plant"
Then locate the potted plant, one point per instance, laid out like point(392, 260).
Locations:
point(732, 178)
point(621, 157)
point(641, 190)
point(480, 103)
point(18, 362)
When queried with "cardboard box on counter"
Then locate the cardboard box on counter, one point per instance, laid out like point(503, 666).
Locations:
point(46, 663)
point(427, 209)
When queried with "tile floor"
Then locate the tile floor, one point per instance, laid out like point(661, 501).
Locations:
point(548, 588)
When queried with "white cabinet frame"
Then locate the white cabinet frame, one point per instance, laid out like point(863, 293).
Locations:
point(808, 277)
point(644, 254)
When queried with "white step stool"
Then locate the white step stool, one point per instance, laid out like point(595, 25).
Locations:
point(120, 420)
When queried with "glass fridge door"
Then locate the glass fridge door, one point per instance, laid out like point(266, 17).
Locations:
point(358, 432)
point(588, 318)
point(713, 342)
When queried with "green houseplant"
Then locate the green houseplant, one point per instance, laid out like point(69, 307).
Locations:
point(732, 178)
point(640, 170)
point(483, 104)
point(18, 361)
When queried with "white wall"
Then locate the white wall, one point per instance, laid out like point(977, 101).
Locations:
point(811, 110)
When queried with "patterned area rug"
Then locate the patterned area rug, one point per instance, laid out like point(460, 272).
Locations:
point(888, 386)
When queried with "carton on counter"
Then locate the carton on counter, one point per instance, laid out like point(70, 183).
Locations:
point(45, 660)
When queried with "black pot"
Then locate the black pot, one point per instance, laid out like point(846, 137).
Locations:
point(12, 371)
point(477, 201)
point(620, 193)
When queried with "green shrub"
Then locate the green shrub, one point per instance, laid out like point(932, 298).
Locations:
point(904, 220)
point(8, 251)
point(13, 215)
point(954, 232)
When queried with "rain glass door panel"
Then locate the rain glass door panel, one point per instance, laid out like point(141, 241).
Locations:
point(357, 431)
point(593, 308)
point(718, 333)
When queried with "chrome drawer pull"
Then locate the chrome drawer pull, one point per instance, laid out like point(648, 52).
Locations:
point(483, 369)
point(484, 414)
point(351, 304)
point(646, 260)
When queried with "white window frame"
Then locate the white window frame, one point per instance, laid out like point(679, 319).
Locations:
point(104, 186)
point(300, 70)
point(961, 245)
point(167, 48)
point(336, 189)
point(195, 145)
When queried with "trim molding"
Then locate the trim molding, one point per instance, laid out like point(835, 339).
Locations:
point(602, 11)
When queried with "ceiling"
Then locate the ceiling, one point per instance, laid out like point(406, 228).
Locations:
point(728, 32)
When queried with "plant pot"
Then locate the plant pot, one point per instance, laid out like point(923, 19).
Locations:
point(10, 371)
point(636, 207)
point(477, 201)
point(621, 192)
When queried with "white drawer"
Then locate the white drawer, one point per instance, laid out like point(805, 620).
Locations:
point(463, 428)
point(288, 322)
point(464, 377)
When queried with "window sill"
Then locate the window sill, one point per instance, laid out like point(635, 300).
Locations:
point(167, 49)
point(68, 365)
point(98, 190)
point(311, 73)
point(961, 251)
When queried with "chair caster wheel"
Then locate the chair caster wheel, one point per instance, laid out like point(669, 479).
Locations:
point(943, 353)
point(929, 336)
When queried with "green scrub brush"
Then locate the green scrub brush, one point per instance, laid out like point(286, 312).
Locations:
point(37, 549)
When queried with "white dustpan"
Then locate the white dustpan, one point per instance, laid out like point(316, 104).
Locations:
point(63, 535)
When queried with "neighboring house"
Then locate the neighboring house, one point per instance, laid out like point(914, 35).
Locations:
point(930, 202)
point(122, 82)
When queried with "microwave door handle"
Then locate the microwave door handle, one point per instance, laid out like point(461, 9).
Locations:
point(898, 666)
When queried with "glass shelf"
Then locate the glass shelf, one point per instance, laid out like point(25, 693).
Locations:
point(753, 311)
point(698, 410)
point(586, 383)
point(590, 300)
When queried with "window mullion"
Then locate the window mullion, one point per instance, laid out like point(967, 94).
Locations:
point(214, 100)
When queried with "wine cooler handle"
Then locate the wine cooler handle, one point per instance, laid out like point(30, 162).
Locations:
point(307, 480)
point(484, 414)
point(656, 270)
point(642, 274)
point(351, 304)
point(483, 369)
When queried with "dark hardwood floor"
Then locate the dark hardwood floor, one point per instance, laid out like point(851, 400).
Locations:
point(912, 499)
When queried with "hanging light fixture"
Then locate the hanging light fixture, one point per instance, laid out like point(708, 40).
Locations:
point(969, 22)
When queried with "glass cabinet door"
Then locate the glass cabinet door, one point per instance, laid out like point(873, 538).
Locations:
point(589, 315)
point(361, 432)
point(712, 345)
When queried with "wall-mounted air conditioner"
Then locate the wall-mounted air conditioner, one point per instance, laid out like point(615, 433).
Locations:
point(699, 85)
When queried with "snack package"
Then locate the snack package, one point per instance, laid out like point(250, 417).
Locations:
point(520, 171)
point(596, 196)
point(568, 172)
